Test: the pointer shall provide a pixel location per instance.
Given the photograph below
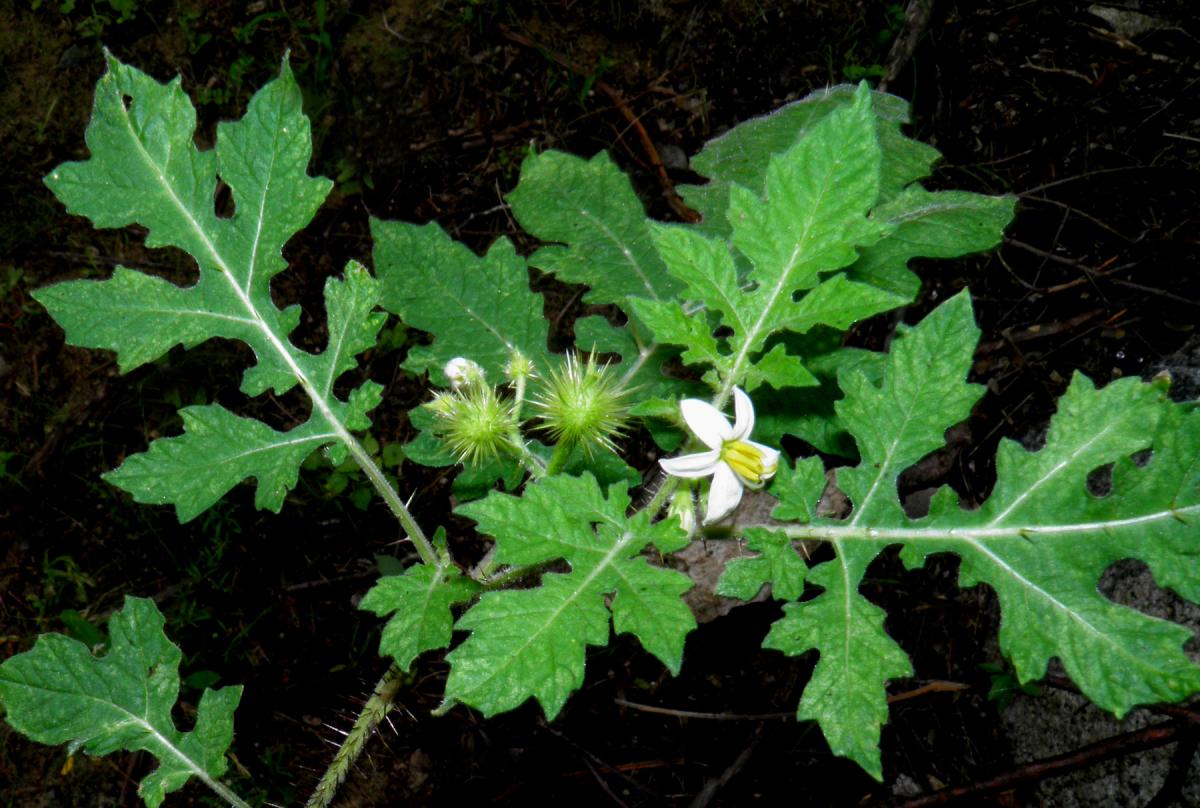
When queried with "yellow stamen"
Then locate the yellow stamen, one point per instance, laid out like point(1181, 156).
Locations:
point(746, 461)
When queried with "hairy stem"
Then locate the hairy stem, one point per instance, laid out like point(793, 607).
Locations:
point(377, 707)
point(397, 506)
point(532, 463)
point(661, 496)
point(518, 398)
point(562, 450)
point(514, 574)
point(223, 791)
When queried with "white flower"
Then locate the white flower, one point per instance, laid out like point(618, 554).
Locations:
point(461, 371)
point(733, 461)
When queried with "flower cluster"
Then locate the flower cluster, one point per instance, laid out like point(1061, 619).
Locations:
point(580, 404)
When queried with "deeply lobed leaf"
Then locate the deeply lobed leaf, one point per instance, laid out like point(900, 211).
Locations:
point(1041, 540)
point(477, 307)
point(420, 601)
point(809, 218)
point(145, 168)
point(596, 233)
point(595, 227)
point(59, 692)
point(531, 642)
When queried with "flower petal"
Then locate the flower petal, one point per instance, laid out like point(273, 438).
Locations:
point(724, 495)
point(706, 422)
point(744, 410)
point(700, 464)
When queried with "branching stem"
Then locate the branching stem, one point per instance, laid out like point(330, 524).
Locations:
point(532, 463)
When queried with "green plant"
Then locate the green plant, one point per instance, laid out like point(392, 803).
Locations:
point(810, 217)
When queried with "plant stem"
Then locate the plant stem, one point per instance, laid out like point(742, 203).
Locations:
point(661, 496)
point(397, 506)
point(223, 791)
point(532, 463)
point(377, 707)
point(562, 450)
point(518, 398)
point(515, 574)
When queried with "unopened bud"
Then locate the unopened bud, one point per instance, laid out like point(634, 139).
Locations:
point(463, 372)
point(519, 367)
point(683, 508)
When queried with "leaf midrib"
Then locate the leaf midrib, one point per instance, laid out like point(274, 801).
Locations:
point(552, 617)
point(132, 718)
point(272, 338)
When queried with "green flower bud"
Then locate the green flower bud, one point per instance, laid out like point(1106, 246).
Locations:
point(583, 404)
point(683, 508)
point(519, 367)
point(473, 422)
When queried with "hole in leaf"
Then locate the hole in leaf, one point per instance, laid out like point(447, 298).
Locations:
point(1099, 481)
point(223, 202)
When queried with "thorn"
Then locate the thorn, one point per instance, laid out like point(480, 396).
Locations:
point(341, 732)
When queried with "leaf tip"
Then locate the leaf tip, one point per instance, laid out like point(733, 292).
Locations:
point(285, 65)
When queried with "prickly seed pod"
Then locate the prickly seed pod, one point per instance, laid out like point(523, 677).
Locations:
point(473, 422)
point(582, 403)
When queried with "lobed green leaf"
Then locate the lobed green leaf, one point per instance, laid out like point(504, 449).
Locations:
point(1041, 540)
point(847, 693)
point(420, 601)
point(531, 642)
point(810, 219)
point(59, 692)
point(144, 168)
point(596, 233)
point(740, 156)
point(480, 308)
point(595, 227)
